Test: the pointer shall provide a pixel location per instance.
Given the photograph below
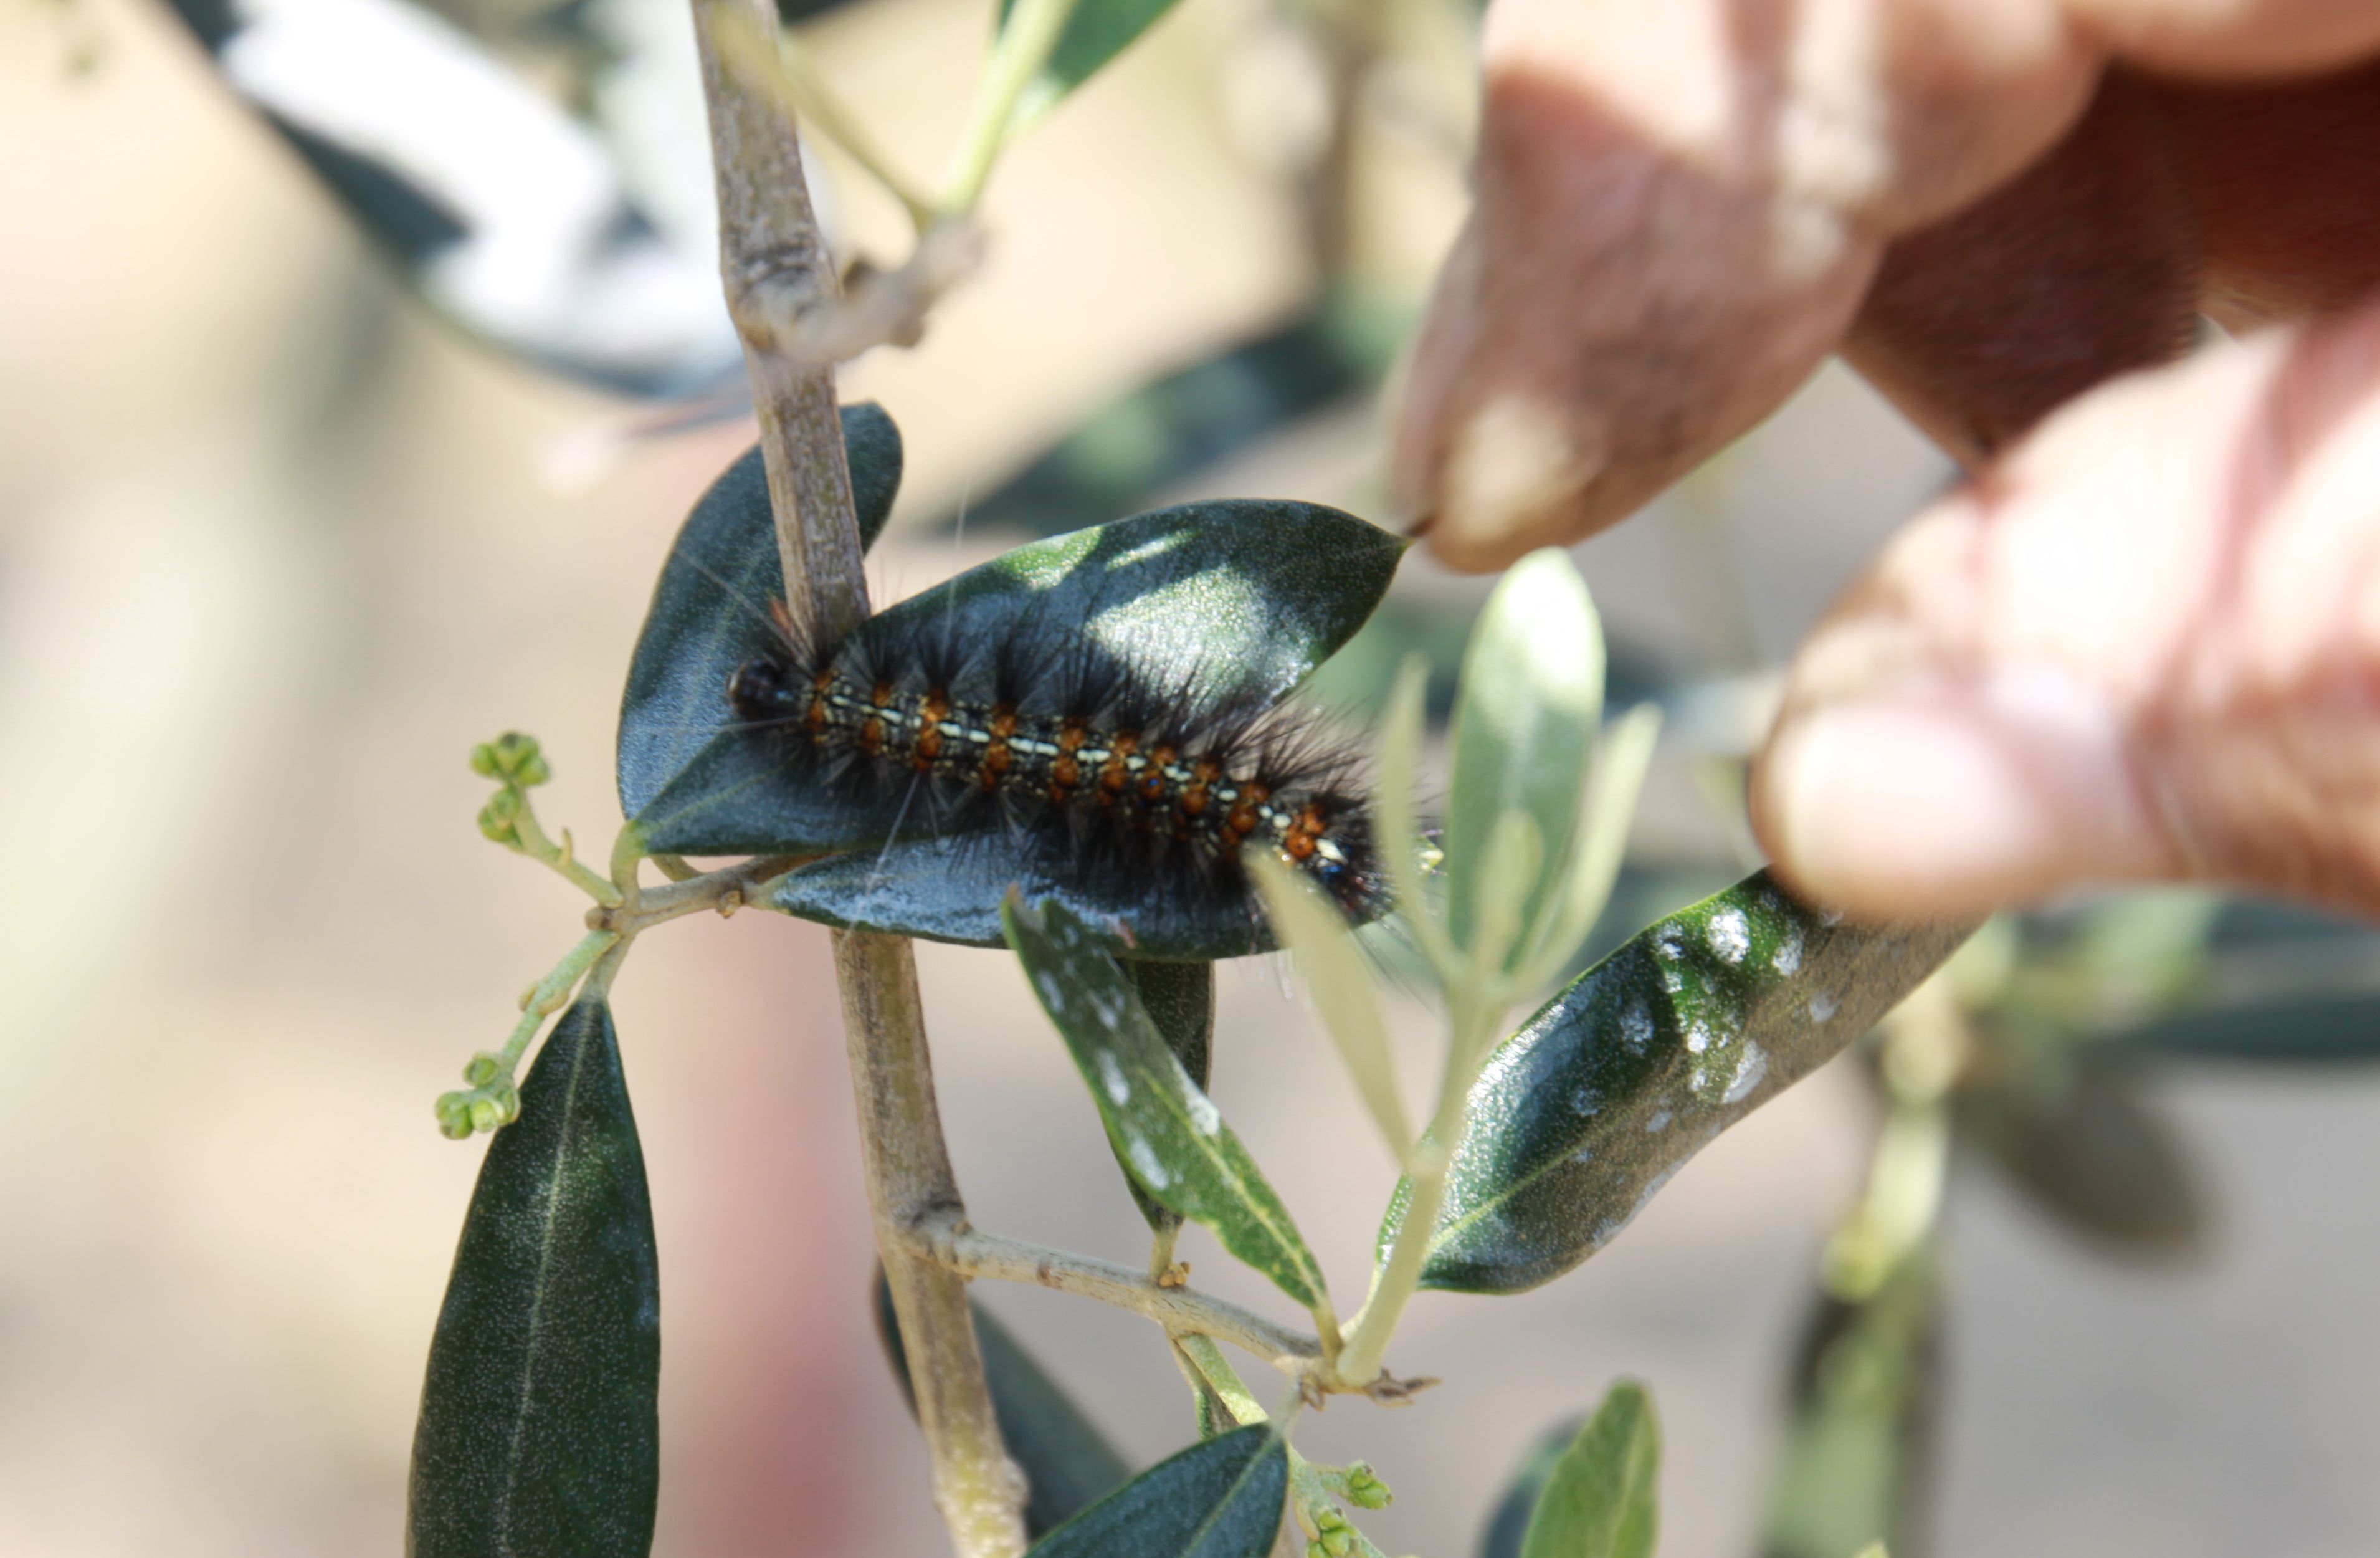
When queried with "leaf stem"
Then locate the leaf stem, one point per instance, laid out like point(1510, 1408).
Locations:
point(563, 858)
point(775, 266)
point(1473, 1025)
point(1017, 56)
point(1182, 1311)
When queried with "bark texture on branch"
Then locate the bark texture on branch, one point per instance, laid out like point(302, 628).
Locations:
point(776, 270)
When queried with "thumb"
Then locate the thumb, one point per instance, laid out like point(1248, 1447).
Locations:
point(2147, 645)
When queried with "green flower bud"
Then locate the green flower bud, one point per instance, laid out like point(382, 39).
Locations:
point(483, 761)
point(498, 819)
point(1338, 1543)
point(455, 1115)
point(518, 759)
point(1366, 1490)
point(507, 1099)
point(483, 1069)
point(486, 1114)
point(1316, 1550)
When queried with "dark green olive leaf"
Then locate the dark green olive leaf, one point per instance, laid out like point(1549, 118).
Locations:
point(1066, 1462)
point(1857, 1459)
point(1163, 1127)
point(1603, 1498)
point(1509, 1523)
point(538, 1436)
point(1224, 605)
point(710, 615)
point(1220, 1499)
point(1181, 1002)
point(1701, 1018)
point(1192, 418)
point(2089, 1150)
point(1095, 31)
point(950, 890)
point(2343, 1026)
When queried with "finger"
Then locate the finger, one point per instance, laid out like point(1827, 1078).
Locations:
point(2280, 179)
point(2232, 39)
point(2147, 645)
point(2085, 266)
point(1680, 204)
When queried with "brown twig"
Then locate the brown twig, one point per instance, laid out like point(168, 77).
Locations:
point(777, 271)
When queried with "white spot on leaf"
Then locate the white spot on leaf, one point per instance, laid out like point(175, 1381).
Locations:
point(1636, 1026)
point(1789, 956)
point(1659, 1121)
point(1111, 1077)
point(1822, 1006)
point(1698, 1037)
point(1730, 936)
point(1053, 994)
point(1204, 1114)
point(1585, 1102)
point(1144, 1163)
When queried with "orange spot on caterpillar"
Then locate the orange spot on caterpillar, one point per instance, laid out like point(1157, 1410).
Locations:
point(1300, 846)
point(929, 747)
point(1072, 735)
point(1064, 775)
point(1004, 721)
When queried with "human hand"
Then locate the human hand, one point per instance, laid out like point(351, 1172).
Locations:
point(2144, 641)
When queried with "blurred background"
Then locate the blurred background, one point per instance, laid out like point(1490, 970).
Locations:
point(278, 544)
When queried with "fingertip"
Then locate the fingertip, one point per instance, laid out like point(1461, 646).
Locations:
point(1956, 800)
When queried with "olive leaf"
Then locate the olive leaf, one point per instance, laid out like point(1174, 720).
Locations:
point(1095, 31)
point(1225, 606)
point(710, 615)
point(2091, 1151)
point(1181, 1000)
point(1602, 1498)
point(539, 1436)
point(1579, 1118)
point(1856, 1459)
point(1221, 1498)
point(1162, 1126)
point(592, 288)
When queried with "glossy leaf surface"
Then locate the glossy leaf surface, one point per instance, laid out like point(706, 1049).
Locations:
point(538, 1436)
point(1856, 1458)
point(2095, 1157)
point(1603, 1499)
point(1223, 607)
point(1225, 604)
point(1223, 1498)
point(710, 615)
point(1181, 1002)
point(1579, 1118)
point(521, 231)
point(1163, 1127)
point(1067, 1463)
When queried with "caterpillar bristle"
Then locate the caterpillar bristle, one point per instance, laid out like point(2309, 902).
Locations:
point(1096, 773)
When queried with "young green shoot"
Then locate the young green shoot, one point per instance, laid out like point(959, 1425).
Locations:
point(1533, 846)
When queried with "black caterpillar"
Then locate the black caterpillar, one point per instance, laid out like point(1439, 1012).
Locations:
point(1074, 749)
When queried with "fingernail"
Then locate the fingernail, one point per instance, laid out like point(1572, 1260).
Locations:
point(1959, 799)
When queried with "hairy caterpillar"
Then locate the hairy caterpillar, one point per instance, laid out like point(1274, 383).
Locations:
point(1074, 753)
